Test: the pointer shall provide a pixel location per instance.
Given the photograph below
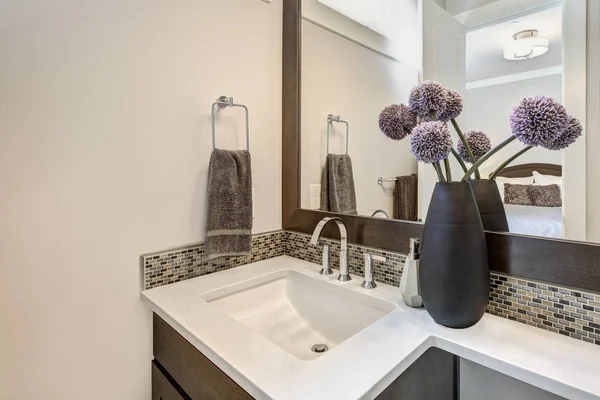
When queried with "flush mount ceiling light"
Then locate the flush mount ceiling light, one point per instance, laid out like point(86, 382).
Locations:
point(525, 45)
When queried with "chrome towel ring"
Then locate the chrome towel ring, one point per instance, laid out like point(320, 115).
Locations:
point(224, 102)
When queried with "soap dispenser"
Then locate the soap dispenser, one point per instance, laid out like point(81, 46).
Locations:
point(409, 282)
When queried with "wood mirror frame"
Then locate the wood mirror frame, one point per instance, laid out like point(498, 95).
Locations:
point(560, 262)
point(526, 170)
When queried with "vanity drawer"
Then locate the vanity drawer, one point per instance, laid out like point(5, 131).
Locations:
point(162, 388)
point(195, 373)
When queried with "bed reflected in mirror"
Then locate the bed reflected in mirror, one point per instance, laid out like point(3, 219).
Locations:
point(544, 219)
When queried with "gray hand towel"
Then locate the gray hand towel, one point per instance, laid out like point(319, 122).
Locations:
point(229, 209)
point(405, 198)
point(337, 185)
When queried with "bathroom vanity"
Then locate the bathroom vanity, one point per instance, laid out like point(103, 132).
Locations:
point(181, 372)
point(249, 332)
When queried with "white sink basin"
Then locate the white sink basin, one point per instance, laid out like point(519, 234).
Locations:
point(296, 311)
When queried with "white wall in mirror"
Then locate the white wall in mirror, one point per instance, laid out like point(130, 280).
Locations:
point(377, 15)
point(575, 99)
point(459, 6)
point(341, 77)
point(387, 26)
point(443, 57)
point(593, 121)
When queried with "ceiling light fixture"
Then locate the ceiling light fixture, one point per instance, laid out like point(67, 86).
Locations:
point(525, 45)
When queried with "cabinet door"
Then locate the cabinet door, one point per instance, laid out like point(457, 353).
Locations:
point(162, 389)
point(431, 377)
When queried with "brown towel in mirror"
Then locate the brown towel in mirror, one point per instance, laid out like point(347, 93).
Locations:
point(337, 185)
point(406, 198)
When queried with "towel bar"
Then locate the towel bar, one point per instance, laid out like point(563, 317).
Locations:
point(381, 181)
point(336, 118)
point(224, 102)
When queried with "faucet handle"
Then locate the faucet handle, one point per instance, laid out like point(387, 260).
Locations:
point(375, 257)
point(369, 283)
point(326, 270)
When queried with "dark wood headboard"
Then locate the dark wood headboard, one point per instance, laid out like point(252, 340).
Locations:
point(525, 170)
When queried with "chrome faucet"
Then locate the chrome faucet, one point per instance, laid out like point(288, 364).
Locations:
point(379, 212)
point(344, 271)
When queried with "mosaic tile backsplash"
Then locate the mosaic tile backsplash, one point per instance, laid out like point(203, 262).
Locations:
point(170, 266)
point(568, 312)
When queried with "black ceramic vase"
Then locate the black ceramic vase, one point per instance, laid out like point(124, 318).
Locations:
point(491, 209)
point(454, 275)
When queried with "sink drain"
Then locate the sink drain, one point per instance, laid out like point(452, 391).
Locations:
point(319, 348)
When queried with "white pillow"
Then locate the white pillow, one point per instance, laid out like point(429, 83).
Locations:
point(500, 181)
point(547, 179)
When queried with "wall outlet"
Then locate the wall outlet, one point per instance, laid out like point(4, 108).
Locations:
point(314, 202)
point(253, 203)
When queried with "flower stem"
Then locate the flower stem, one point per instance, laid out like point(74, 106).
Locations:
point(460, 160)
point(505, 163)
point(463, 139)
point(438, 169)
point(486, 156)
point(448, 169)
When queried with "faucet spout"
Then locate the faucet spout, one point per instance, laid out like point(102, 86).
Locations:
point(344, 270)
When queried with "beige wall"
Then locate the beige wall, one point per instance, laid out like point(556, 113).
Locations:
point(104, 147)
point(593, 122)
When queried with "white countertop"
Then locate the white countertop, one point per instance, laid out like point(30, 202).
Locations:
point(365, 364)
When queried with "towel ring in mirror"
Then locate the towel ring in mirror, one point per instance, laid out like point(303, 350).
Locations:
point(336, 118)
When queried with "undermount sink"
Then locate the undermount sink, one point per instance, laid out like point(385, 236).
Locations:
point(297, 312)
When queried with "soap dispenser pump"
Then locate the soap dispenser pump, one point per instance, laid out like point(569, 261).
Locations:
point(409, 282)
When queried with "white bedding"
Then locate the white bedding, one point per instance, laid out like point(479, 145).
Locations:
point(536, 221)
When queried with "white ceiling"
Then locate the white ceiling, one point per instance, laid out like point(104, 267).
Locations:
point(485, 45)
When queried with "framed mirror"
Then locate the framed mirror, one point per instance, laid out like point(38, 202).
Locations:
point(338, 79)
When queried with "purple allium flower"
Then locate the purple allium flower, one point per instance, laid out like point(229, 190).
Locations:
point(479, 143)
point(397, 121)
point(538, 120)
point(454, 106)
point(568, 137)
point(431, 142)
point(428, 100)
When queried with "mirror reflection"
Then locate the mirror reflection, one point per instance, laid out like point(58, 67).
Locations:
point(501, 60)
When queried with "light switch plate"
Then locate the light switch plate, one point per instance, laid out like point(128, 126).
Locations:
point(314, 202)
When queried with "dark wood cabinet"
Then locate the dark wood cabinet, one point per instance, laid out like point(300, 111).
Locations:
point(181, 372)
point(432, 377)
point(199, 378)
point(164, 388)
